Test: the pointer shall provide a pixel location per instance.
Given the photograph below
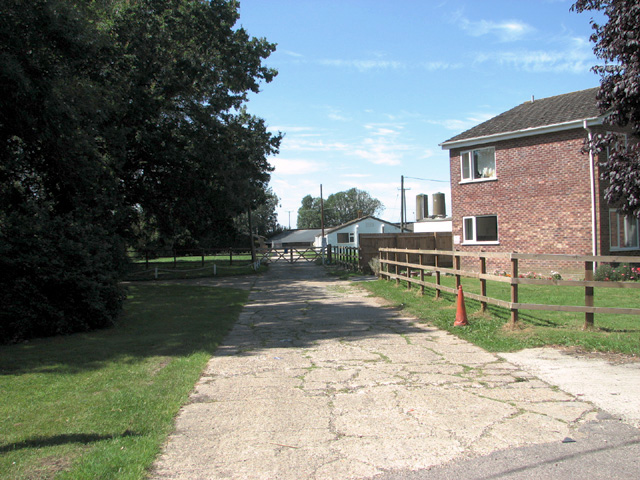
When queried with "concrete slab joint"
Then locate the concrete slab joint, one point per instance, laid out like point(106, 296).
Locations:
point(317, 381)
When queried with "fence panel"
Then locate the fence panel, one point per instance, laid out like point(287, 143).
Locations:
point(513, 279)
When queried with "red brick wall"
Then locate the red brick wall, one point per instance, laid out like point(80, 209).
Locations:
point(541, 195)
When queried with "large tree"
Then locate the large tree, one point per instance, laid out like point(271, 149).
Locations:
point(119, 121)
point(339, 208)
point(617, 43)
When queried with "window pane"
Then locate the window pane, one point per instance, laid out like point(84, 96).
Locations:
point(466, 170)
point(487, 229)
point(484, 162)
point(613, 229)
point(468, 229)
point(343, 238)
point(631, 232)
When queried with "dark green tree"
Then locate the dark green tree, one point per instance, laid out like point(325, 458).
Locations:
point(617, 43)
point(339, 208)
point(342, 207)
point(309, 213)
point(263, 219)
point(120, 122)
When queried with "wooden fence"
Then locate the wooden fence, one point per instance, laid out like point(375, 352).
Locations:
point(345, 257)
point(371, 243)
point(177, 254)
point(393, 258)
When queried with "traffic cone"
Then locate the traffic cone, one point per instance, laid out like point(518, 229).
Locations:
point(461, 312)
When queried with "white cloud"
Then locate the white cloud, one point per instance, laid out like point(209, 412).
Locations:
point(287, 166)
point(379, 152)
point(576, 57)
point(506, 31)
point(363, 65)
point(460, 125)
point(290, 53)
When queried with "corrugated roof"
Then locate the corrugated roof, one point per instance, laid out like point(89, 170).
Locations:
point(539, 113)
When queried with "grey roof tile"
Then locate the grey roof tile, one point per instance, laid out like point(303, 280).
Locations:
point(539, 113)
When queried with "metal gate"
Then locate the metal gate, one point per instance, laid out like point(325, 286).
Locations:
point(290, 254)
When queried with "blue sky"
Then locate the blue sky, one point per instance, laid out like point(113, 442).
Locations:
point(368, 89)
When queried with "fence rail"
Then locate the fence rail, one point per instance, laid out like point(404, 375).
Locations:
point(401, 259)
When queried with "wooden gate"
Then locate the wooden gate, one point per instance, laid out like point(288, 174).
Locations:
point(290, 254)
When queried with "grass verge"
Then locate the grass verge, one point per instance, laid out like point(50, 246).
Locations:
point(612, 333)
point(183, 270)
point(100, 405)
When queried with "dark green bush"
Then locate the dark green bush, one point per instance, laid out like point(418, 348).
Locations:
point(58, 277)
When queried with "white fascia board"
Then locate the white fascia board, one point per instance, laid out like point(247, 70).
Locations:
point(528, 132)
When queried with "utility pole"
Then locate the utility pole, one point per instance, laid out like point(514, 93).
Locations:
point(322, 241)
point(253, 245)
point(289, 212)
point(401, 203)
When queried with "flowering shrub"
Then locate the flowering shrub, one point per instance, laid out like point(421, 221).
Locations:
point(554, 275)
point(621, 273)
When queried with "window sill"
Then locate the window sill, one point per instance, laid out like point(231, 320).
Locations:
point(466, 243)
point(624, 249)
point(478, 180)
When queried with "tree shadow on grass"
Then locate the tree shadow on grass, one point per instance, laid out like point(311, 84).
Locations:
point(175, 320)
point(62, 439)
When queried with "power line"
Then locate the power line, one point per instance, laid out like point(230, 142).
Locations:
point(428, 179)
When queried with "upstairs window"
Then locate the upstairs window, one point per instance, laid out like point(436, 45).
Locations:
point(482, 229)
point(623, 231)
point(478, 164)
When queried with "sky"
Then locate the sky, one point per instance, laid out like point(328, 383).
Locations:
point(367, 90)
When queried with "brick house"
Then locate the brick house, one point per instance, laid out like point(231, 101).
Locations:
point(521, 182)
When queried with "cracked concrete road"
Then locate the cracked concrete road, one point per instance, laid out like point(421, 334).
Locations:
point(319, 381)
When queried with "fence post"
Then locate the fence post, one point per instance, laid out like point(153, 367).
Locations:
point(456, 266)
point(421, 275)
point(408, 272)
point(202, 258)
point(395, 258)
point(483, 283)
point(146, 260)
point(588, 295)
point(514, 290)
point(329, 253)
point(175, 259)
point(437, 265)
point(231, 256)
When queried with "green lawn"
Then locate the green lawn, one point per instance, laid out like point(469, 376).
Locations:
point(191, 267)
point(612, 333)
point(100, 405)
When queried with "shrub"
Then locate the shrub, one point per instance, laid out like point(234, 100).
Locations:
point(374, 264)
point(621, 273)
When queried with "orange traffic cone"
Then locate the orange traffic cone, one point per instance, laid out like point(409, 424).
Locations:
point(461, 313)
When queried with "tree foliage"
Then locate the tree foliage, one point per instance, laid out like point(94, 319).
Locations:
point(617, 43)
point(121, 122)
point(339, 208)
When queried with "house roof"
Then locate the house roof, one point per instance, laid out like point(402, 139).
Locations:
point(547, 114)
point(357, 220)
point(302, 235)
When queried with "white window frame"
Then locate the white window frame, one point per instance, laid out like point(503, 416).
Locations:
point(623, 224)
point(474, 235)
point(469, 164)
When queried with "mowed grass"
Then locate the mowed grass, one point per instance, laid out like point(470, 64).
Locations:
point(191, 267)
point(99, 405)
point(611, 333)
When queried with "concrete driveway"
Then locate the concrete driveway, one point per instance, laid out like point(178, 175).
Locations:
point(317, 380)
